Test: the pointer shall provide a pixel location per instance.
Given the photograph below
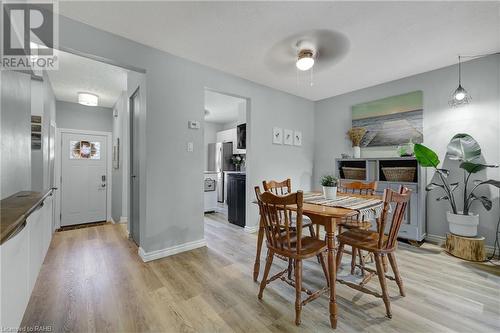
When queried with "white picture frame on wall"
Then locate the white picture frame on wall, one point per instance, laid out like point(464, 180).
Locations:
point(277, 135)
point(288, 137)
point(297, 138)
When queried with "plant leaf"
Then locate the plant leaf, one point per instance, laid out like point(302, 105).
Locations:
point(475, 167)
point(433, 186)
point(444, 197)
point(493, 182)
point(463, 147)
point(453, 187)
point(443, 172)
point(487, 204)
point(426, 157)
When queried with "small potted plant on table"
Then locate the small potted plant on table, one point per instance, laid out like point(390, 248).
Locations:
point(329, 183)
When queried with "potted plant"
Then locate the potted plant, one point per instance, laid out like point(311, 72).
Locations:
point(466, 150)
point(237, 161)
point(356, 134)
point(329, 184)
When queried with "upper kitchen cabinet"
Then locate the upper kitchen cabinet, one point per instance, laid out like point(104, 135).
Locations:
point(231, 135)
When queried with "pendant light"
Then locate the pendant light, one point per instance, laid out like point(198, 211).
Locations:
point(460, 96)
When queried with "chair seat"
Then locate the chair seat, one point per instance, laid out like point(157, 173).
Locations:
point(362, 239)
point(310, 247)
point(352, 224)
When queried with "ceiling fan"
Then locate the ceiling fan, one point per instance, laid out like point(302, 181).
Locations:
point(320, 49)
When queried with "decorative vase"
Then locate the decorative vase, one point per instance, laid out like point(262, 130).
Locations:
point(463, 225)
point(330, 192)
point(357, 151)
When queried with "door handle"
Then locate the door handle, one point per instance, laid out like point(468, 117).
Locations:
point(133, 176)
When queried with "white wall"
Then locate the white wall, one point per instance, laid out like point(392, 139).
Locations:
point(173, 210)
point(209, 136)
point(481, 120)
point(82, 117)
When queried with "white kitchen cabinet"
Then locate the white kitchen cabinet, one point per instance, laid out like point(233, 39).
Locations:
point(21, 259)
point(15, 278)
point(230, 135)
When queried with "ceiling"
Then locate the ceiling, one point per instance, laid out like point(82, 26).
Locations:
point(78, 74)
point(222, 108)
point(379, 41)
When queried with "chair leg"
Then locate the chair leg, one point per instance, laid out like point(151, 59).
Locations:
point(384, 263)
point(290, 268)
point(321, 259)
point(353, 260)
point(395, 269)
point(311, 231)
point(298, 290)
point(361, 262)
point(340, 252)
point(383, 283)
point(263, 283)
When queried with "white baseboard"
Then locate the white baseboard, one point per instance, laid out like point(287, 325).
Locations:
point(123, 219)
point(440, 240)
point(251, 229)
point(158, 254)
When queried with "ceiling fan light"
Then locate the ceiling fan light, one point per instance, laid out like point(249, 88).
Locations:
point(88, 99)
point(305, 60)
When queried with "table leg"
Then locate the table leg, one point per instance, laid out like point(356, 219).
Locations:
point(260, 239)
point(332, 270)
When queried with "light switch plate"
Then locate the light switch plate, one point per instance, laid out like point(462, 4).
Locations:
point(190, 147)
point(193, 124)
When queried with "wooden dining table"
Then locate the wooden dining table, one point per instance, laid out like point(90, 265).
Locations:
point(327, 217)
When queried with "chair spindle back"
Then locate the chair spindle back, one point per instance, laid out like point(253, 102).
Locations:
point(278, 188)
point(400, 199)
point(358, 187)
point(275, 212)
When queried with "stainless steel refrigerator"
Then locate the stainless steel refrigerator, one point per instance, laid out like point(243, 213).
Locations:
point(219, 161)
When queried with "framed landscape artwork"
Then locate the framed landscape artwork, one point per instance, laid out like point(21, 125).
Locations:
point(391, 121)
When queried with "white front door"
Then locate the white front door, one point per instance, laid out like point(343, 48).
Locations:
point(84, 178)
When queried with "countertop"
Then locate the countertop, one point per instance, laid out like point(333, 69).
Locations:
point(240, 172)
point(15, 209)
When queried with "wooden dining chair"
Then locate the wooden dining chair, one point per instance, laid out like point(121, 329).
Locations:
point(354, 222)
point(283, 188)
point(380, 244)
point(283, 240)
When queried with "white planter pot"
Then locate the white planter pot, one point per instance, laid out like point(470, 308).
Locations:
point(463, 225)
point(357, 151)
point(330, 192)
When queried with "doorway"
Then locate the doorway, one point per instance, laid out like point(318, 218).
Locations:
point(85, 169)
point(135, 109)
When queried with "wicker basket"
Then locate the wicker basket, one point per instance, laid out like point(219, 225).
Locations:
point(399, 174)
point(354, 173)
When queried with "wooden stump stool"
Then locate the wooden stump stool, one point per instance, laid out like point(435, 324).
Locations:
point(468, 248)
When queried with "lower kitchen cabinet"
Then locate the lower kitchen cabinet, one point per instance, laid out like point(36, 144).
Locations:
point(236, 198)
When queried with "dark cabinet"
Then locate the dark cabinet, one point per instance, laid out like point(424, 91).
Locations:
point(236, 199)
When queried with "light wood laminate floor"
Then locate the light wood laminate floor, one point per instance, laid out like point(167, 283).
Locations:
point(92, 280)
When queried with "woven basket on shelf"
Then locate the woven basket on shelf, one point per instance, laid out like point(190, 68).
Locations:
point(399, 174)
point(354, 173)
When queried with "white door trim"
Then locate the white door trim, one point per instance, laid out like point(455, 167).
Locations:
point(57, 169)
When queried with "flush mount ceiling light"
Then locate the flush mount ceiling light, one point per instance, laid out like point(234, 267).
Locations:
point(460, 96)
point(87, 99)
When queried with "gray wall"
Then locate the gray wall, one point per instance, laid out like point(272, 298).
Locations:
point(15, 119)
point(173, 210)
point(77, 116)
point(481, 120)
